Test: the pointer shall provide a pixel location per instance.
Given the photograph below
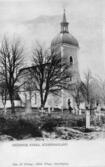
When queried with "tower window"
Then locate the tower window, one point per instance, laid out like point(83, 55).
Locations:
point(71, 60)
point(35, 98)
point(70, 78)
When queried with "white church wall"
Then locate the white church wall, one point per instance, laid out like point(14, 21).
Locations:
point(33, 97)
point(8, 103)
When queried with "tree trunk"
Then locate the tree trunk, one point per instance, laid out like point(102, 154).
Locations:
point(43, 101)
point(4, 109)
point(12, 106)
point(42, 104)
point(45, 98)
point(41, 96)
point(12, 103)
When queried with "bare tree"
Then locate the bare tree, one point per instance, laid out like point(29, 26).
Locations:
point(93, 90)
point(79, 93)
point(97, 90)
point(103, 92)
point(87, 83)
point(100, 90)
point(3, 93)
point(49, 72)
point(11, 60)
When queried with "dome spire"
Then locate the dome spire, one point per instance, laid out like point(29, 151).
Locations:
point(64, 24)
point(64, 16)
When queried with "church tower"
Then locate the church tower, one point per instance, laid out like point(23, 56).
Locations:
point(67, 45)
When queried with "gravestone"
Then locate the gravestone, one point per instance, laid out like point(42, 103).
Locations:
point(5, 110)
point(99, 113)
point(87, 119)
point(49, 110)
point(42, 110)
point(80, 112)
point(28, 108)
point(75, 111)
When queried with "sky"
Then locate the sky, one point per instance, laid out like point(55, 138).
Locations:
point(86, 23)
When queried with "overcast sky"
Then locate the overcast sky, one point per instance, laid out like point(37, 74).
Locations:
point(86, 24)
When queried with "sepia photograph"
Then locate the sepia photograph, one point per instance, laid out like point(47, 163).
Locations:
point(52, 81)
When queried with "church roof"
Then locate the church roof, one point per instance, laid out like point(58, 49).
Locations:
point(64, 37)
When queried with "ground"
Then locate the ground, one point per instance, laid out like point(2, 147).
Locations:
point(57, 125)
point(71, 133)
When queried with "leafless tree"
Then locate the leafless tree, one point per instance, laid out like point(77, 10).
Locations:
point(79, 93)
point(50, 73)
point(3, 93)
point(99, 90)
point(103, 91)
point(92, 91)
point(11, 60)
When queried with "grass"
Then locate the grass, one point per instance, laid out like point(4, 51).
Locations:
point(32, 124)
point(19, 128)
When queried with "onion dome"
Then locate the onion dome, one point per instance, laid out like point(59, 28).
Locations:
point(64, 37)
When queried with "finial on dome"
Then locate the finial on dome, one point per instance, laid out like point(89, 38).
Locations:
point(64, 23)
point(64, 16)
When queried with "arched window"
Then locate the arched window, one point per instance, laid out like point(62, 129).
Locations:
point(70, 78)
point(35, 98)
point(71, 60)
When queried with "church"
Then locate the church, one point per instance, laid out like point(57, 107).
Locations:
point(66, 45)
